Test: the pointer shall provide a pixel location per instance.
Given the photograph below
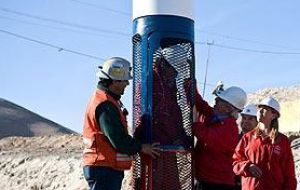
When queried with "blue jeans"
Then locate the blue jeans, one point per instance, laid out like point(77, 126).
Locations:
point(103, 178)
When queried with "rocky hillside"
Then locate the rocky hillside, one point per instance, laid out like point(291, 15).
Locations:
point(18, 121)
point(289, 99)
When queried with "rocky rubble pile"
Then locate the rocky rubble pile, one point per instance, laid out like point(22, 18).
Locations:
point(282, 94)
point(53, 163)
point(289, 99)
point(35, 163)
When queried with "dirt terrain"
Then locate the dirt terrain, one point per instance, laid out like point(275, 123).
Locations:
point(50, 157)
point(50, 162)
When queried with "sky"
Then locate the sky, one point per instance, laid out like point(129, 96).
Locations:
point(50, 49)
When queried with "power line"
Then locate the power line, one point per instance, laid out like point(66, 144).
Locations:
point(256, 51)
point(243, 39)
point(75, 52)
point(111, 32)
point(67, 50)
point(126, 34)
point(51, 27)
point(51, 45)
point(101, 8)
point(86, 27)
point(249, 50)
point(128, 14)
point(207, 84)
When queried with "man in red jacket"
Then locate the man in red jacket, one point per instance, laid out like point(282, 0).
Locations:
point(248, 123)
point(217, 136)
point(248, 118)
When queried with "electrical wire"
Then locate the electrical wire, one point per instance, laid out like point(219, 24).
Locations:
point(54, 27)
point(244, 40)
point(51, 45)
point(101, 8)
point(111, 32)
point(249, 50)
point(256, 51)
point(86, 27)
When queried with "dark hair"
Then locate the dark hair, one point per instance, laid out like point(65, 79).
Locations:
point(274, 129)
point(105, 82)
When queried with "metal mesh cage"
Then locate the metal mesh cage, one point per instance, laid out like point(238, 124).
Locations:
point(171, 117)
point(137, 78)
point(137, 104)
point(163, 113)
point(170, 106)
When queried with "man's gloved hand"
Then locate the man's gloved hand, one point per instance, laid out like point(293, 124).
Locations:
point(192, 94)
point(219, 87)
point(189, 87)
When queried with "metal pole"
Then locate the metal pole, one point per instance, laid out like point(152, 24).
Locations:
point(206, 67)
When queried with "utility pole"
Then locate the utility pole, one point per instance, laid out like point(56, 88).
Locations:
point(206, 67)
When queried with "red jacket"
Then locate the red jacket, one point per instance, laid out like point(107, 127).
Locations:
point(217, 139)
point(167, 128)
point(275, 161)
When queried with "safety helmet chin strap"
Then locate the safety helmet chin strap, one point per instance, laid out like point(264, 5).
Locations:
point(106, 75)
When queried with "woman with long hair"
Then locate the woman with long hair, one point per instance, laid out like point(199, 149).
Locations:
point(263, 157)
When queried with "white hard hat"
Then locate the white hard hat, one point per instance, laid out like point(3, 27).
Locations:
point(272, 103)
point(236, 96)
point(250, 109)
point(115, 68)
